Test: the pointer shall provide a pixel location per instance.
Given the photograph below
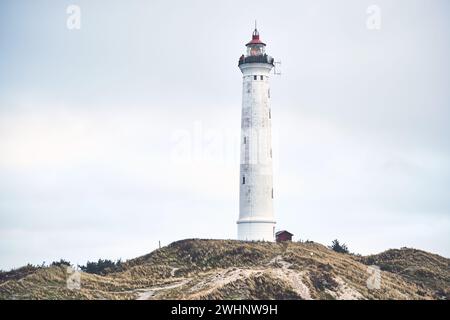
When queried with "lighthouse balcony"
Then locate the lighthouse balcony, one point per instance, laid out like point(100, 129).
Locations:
point(256, 59)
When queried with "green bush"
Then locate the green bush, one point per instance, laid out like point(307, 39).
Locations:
point(61, 263)
point(336, 246)
point(102, 267)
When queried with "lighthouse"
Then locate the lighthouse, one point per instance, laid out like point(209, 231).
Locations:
point(256, 219)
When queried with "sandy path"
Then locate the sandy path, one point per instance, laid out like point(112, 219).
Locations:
point(146, 294)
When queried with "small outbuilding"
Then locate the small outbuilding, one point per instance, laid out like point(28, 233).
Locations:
point(283, 235)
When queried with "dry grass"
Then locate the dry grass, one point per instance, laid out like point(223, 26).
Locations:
point(226, 269)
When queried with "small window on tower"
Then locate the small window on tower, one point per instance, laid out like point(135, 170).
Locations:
point(270, 114)
point(272, 193)
point(255, 77)
point(245, 140)
point(243, 180)
point(262, 77)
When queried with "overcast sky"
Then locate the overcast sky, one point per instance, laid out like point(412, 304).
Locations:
point(126, 132)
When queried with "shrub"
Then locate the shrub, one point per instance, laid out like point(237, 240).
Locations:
point(102, 267)
point(341, 248)
point(60, 263)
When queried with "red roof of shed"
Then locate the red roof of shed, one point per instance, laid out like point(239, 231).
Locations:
point(283, 231)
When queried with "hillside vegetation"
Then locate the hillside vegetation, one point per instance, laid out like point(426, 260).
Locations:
point(228, 269)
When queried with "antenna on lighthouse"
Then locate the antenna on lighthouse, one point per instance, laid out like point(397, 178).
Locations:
point(277, 68)
point(255, 32)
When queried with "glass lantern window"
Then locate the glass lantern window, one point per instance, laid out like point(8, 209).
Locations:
point(255, 50)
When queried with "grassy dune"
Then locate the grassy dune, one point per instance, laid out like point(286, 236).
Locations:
point(228, 269)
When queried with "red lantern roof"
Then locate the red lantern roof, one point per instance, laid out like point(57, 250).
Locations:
point(255, 39)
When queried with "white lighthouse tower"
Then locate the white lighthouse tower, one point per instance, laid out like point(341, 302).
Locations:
point(256, 220)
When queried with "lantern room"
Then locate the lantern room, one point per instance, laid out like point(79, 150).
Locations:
point(255, 47)
point(256, 51)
